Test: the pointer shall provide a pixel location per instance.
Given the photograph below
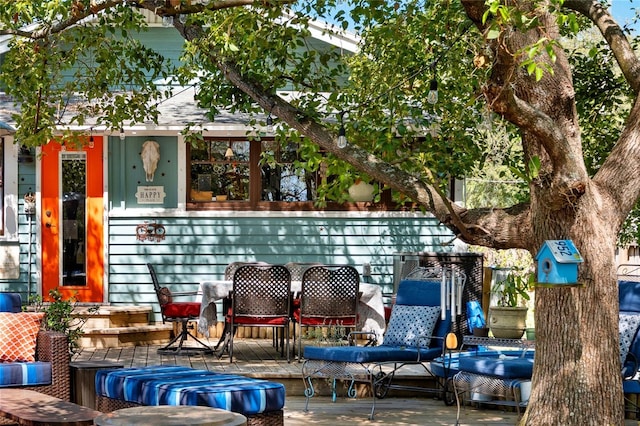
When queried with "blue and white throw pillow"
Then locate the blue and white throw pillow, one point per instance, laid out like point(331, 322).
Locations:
point(408, 323)
point(628, 326)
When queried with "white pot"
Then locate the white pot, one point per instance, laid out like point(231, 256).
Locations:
point(361, 191)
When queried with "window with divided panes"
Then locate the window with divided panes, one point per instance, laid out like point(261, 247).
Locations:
point(248, 174)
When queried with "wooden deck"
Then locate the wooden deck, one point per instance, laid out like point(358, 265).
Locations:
point(257, 358)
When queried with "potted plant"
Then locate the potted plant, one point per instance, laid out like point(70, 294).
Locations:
point(508, 312)
point(59, 316)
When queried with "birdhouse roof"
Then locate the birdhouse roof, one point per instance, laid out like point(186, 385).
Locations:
point(563, 251)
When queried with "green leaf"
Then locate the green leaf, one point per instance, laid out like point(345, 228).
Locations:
point(493, 33)
point(539, 73)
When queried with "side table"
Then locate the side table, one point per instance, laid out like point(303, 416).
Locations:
point(171, 415)
point(83, 380)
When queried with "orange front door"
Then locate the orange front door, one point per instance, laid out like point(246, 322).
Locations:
point(72, 221)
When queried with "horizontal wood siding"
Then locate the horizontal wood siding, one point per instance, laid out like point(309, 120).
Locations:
point(26, 183)
point(197, 249)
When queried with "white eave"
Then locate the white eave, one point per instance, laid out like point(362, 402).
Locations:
point(332, 35)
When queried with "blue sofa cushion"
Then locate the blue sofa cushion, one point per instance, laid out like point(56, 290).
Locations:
point(366, 354)
point(408, 323)
point(502, 367)
point(175, 385)
point(629, 296)
point(25, 374)
point(631, 386)
point(10, 302)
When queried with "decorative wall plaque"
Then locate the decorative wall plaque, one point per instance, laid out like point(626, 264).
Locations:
point(150, 195)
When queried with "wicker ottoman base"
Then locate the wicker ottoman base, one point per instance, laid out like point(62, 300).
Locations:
point(273, 418)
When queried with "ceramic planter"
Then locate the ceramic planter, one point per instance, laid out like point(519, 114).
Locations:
point(507, 322)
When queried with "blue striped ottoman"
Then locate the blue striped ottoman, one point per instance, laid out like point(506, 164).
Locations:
point(261, 401)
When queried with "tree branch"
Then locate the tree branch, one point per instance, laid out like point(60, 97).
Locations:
point(487, 226)
point(538, 124)
point(613, 34)
point(619, 173)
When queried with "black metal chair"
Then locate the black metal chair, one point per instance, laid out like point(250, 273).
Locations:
point(297, 269)
point(179, 312)
point(231, 268)
point(260, 298)
point(328, 298)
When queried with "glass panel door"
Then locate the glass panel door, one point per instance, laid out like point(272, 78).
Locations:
point(72, 220)
point(74, 194)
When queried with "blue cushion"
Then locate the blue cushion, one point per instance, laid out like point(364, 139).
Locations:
point(503, 367)
point(418, 292)
point(365, 354)
point(408, 323)
point(10, 302)
point(25, 373)
point(424, 292)
point(629, 295)
point(448, 365)
point(175, 385)
point(628, 328)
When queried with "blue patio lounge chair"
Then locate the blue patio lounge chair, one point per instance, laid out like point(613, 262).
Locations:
point(629, 292)
point(416, 334)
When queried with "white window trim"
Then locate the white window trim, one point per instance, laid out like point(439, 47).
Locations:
point(10, 190)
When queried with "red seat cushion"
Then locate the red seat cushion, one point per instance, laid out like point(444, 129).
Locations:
point(259, 320)
point(182, 310)
point(255, 320)
point(387, 313)
point(345, 321)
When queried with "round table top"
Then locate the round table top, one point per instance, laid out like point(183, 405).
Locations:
point(171, 415)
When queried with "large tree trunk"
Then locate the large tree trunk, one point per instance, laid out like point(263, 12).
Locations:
point(576, 379)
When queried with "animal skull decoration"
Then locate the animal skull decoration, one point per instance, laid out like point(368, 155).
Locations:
point(150, 156)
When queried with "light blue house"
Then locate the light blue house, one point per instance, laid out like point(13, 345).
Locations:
point(104, 211)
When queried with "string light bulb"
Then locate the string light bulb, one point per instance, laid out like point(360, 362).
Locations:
point(342, 137)
point(342, 133)
point(432, 97)
point(269, 124)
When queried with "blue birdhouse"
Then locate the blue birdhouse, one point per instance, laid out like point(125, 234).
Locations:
point(558, 263)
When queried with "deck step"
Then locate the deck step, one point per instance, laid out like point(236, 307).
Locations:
point(114, 316)
point(120, 326)
point(116, 337)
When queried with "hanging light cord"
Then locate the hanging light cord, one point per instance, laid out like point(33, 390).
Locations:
point(431, 65)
